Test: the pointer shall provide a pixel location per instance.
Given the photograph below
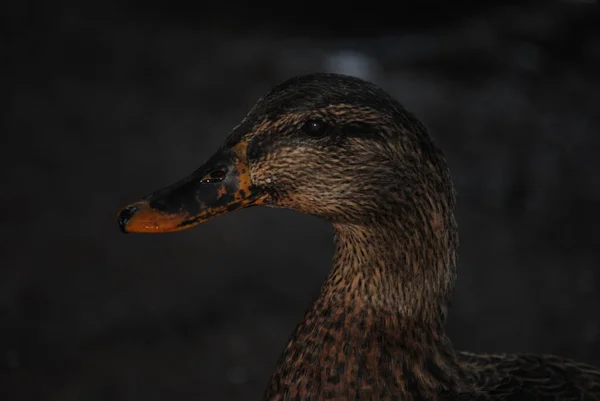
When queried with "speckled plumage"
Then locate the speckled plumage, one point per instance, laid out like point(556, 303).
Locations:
point(377, 329)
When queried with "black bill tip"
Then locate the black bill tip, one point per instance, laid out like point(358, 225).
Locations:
point(124, 216)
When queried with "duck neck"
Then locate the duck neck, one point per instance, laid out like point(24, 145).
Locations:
point(393, 268)
point(378, 323)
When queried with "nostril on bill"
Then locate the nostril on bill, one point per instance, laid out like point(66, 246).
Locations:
point(216, 174)
point(124, 217)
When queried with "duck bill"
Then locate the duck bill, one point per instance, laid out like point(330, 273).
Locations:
point(220, 186)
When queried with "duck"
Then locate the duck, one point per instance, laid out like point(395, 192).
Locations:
point(343, 149)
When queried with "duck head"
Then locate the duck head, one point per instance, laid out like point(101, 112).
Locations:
point(324, 144)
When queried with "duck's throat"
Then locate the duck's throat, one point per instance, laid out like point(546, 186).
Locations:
point(377, 327)
point(394, 268)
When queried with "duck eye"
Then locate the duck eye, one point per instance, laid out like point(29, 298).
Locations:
point(314, 127)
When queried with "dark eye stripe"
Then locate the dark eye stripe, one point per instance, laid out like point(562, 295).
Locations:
point(358, 129)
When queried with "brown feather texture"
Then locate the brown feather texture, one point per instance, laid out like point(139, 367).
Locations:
point(344, 150)
point(377, 329)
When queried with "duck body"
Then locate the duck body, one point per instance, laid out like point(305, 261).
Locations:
point(530, 377)
point(344, 150)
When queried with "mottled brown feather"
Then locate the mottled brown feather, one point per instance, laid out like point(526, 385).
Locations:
point(377, 329)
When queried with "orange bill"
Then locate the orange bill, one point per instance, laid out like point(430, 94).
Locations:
point(222, 185)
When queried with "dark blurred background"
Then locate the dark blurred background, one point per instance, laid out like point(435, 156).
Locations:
point(108, 101)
